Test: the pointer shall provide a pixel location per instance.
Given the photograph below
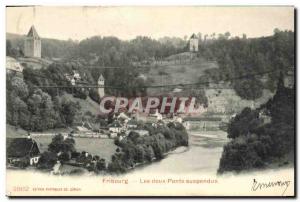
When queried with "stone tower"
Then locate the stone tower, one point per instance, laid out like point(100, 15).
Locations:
point(101, 88)
point(194, 42)
point(32, 44)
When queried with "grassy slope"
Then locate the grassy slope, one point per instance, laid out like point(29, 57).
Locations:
point(86, 105)
point(187, 72)
point(13, 132)
point(104, 148)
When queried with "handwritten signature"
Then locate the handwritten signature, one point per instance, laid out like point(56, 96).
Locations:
point(267, 185)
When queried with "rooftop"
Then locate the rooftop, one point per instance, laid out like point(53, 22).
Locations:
point(194, 36)
point(33, 33)
point(115, 124)
point(21, 147)
point(202, 119)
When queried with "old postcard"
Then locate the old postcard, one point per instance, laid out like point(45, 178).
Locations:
point(150, 101)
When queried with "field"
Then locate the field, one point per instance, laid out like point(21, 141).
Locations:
point(13, 132)
point(101, 147)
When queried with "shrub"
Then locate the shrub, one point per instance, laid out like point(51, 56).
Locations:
point(47, 160)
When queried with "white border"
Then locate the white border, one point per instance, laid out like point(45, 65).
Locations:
point(3, 4)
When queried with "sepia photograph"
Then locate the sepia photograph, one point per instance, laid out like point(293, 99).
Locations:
point(156, 101)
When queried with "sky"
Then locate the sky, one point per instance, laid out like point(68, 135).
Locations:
point(126, 23)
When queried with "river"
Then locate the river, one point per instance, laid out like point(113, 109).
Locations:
point(202, 155)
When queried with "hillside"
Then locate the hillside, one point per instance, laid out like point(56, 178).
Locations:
point(87, 105)
point(177, 71)
point(185, 68)
point(34, 63)
point(159, 65)
point(88, 109)
point(228, 102)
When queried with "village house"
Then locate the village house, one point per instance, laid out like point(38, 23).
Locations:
point(152, 122)
point(73, 78)
point(122, 117)
point(76, 75)
point(132, 124)
point(142, 133)
point(177, 118)
point(187, 125)
point(265, 117)
point(156, 115)
point(202, 123)
point(22, 152)
point(81, 128)
point(115, 128)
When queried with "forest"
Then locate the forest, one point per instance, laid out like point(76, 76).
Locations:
point(247, 62)
point(241, 61)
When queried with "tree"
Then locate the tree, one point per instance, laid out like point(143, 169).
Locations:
point(17, 109)
point(18, 86)
point(17, 112)
point(244, 123)
point(8, 47)
point(68, 111)
point(59, 144)
point(140, 154)
point(101, 164)
point(227, 35)
point(250, 88)
point(43, 115)
point(47, 160)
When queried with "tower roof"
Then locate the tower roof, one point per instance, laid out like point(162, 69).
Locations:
point(101, 78)
point(194, 36)
point(33, 33)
